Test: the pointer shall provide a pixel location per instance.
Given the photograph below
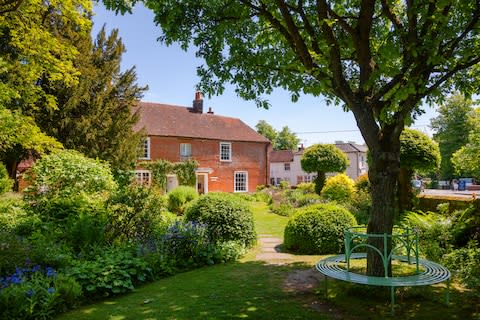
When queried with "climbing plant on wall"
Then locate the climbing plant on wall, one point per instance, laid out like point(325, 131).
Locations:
point(159, 169)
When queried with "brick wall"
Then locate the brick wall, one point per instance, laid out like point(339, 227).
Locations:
point(246, 156)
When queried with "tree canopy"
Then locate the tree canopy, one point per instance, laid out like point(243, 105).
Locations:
point(323, 158)
point(95, 116)
point(284, 139)
point(466, 160)
point(380, 59)
point(451, 130)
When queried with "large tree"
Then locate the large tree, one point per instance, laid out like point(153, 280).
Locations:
point(284, 139)
point(379, 59)
point(418, 153)
point(451, 130)
point(95, 116)
point(466, 160)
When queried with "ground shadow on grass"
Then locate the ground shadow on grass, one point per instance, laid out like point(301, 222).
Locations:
point(251, 290)
point(256, 290)
point(425, 302)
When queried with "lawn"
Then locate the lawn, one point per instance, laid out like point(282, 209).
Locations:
point(253, 290)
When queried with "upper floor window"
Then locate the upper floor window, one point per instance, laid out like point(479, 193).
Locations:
point(145, 149)
point(185, 151)
point(225, 151)
point(286, 166)
point(241, 181)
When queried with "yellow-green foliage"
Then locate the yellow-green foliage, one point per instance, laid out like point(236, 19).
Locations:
point(362, 182)
point(339, 187)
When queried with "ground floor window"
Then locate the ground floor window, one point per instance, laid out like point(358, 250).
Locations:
point(241, 181)
point(143, 177)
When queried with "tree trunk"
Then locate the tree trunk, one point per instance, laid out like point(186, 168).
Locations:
point(319, 182)
point(383, 173)
point(405, 194)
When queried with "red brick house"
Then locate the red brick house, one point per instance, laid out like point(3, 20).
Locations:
point(232, 156)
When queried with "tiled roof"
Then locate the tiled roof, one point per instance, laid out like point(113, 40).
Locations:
point(351, 147)
point(175, 121)
point(281, 156)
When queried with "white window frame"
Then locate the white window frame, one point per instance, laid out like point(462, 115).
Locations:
point(229, 144)
point(145, 149)
point(286, 165)
point(245, 173)
point(139, 177)
point(183, 148)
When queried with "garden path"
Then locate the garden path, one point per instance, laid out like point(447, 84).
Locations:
point(300, 282)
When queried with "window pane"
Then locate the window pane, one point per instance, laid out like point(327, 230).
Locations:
point(240, 181)
point(185, 150)
point(225, 151)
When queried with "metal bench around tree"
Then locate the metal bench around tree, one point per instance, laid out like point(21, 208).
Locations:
point(404, 242)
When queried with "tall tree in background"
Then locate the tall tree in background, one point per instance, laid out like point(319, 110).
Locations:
point(451, 130)
point(33, 47)
point(95, 117)
point(281, 140)
point(379, 59)
point(466, 160)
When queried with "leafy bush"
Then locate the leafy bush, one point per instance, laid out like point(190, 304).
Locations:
point(69, 173)
point(282, 209)
point(362, 183)
point(36, 293)
point(433, 231)
point(263, 195)
point(318, 229)
point(228, 218)
point(135, 213)
point(464, 264)
point(5, 182)
point(360, 205)
point(117, 270)
point(284, 185)
point(12, 213)
point(179, 197)
point(339, 188)
point(306, 187)
point(13, 252)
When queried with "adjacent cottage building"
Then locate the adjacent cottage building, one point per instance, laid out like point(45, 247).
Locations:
point(285, 164)
point(232, 156)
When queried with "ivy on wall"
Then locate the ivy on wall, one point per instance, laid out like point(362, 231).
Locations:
point(159, 169)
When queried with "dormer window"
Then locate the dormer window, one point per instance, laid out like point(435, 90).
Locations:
point(145, 149)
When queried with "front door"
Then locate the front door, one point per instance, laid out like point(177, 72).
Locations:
point(202, 183)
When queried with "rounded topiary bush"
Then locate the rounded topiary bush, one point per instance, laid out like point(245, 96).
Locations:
point(318, 229)
point(179, 197)
point(339, 187)
point(228, 218)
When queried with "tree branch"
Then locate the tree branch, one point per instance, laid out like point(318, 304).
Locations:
point(9, 5)
point(367, 65)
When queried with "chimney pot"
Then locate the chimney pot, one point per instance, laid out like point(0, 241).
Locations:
point(198, 103)
point(210, 110)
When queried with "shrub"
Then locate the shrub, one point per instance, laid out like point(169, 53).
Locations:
point(362, 183)
point(282, 209)
point(13, 252)
point(360, 205)
point(263, 195)
point(433, 231)
point(464, 264)
point(306, 187)
point(69, 173)
point(179, 197)
point(227, 217)
point(12, 213)
point(318, 229)
point(36, 293)
point(5, 182)
point(115, 271)
point(284, 184)
point(339, 188)
point(135, 213)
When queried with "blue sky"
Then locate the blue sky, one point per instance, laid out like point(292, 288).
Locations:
point(171, 76)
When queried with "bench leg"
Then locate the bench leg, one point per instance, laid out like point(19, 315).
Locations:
point(447, 293)
point(392, 299)
point(326, 288)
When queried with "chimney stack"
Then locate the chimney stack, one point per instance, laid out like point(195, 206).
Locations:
point(210, 111)
point(198, 103)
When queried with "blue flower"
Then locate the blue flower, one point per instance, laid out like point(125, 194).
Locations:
point(30, 292)
point(50, 272)
point(51, 290)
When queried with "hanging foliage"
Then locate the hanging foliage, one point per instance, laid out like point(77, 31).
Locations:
point(159, 169)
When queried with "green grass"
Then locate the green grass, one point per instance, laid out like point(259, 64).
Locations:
point(266, 222)
point(251, 289)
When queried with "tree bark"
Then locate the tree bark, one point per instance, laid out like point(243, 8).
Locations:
point(383, 173)
point(320, 182)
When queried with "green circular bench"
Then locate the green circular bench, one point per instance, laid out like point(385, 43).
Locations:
point(405, 240)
